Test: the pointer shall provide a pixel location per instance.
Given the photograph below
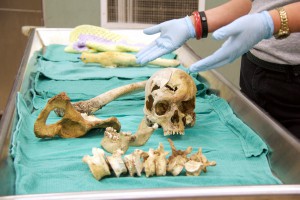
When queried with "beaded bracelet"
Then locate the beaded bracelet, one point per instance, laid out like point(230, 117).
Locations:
point(198, 25)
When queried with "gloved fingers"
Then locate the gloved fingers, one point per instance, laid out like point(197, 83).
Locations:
point(153, 54)
point(142, 59)
point(225, 32)
point(145, 50)
point(217, 59)
point(152, 30)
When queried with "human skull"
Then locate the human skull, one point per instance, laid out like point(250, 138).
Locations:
point(170, 100)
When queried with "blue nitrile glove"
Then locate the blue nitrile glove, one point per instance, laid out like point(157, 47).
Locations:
point(173, 34)
point(242, 34)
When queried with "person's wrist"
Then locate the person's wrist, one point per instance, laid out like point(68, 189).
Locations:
point(192, 18)
point(276, 20)
point(269, 24)
point(197, 25)
point(190, 26)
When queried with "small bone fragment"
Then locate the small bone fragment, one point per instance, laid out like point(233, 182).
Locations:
point(116, 162)
point(73, 124)
point(92, 105)
point(149, 162)
point(161, 160)
point(113, 140)
point(97, 163)
point(177, 160)
point(121, 59)
point(134, 163)
point(143, 133)
point(199, 157)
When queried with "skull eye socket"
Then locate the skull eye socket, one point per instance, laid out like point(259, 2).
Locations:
point(187, 106)
point(161, 107)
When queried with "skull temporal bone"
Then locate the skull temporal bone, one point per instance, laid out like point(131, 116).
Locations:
point(170, 100)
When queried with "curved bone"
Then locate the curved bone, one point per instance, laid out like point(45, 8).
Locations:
point(177, 160)
point(121, 59)
point(92, 105)
point(113, 140)
point(97, 163)
point(73, 124)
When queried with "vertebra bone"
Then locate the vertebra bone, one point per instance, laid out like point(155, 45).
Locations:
point(97, 163)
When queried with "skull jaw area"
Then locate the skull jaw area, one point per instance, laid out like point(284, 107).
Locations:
point(171, 126)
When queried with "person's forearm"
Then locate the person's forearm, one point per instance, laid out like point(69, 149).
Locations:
point(292, 11)
point(226, 13)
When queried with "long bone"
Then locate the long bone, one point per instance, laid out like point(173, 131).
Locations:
point(122, 59)
point(92, 105)
point(73, 124)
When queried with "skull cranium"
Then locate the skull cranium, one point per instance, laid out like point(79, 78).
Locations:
point(170, 100)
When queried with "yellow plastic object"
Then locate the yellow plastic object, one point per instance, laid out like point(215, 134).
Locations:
point(88, 38)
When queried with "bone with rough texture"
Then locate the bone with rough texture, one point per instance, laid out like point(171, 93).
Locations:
point(170, 96)
point(92, 105)
point(113, 140)
point(161, 161)
point(154, 162)
point(169, 102)
point(97, 163)
point(193, 168)
point(122, 59)
point(149, 162)
point(116, 162)
point(199, 157)
point(73, 124)
point(177, 160)
point(134, 163)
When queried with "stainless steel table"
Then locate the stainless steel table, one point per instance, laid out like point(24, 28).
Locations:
point(284, 161)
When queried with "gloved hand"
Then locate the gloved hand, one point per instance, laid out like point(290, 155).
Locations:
point(242, 34)
point(173, 34)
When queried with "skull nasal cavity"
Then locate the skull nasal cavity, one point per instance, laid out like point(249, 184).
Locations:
point(175, 117)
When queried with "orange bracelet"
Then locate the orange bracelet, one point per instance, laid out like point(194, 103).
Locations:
point(198, 26)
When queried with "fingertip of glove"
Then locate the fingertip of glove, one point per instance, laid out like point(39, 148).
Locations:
point(152, 30)
point(218, 35)
point(139, 60)
point(191, 69)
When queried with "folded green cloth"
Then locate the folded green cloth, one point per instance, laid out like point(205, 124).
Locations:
point(55, 165)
